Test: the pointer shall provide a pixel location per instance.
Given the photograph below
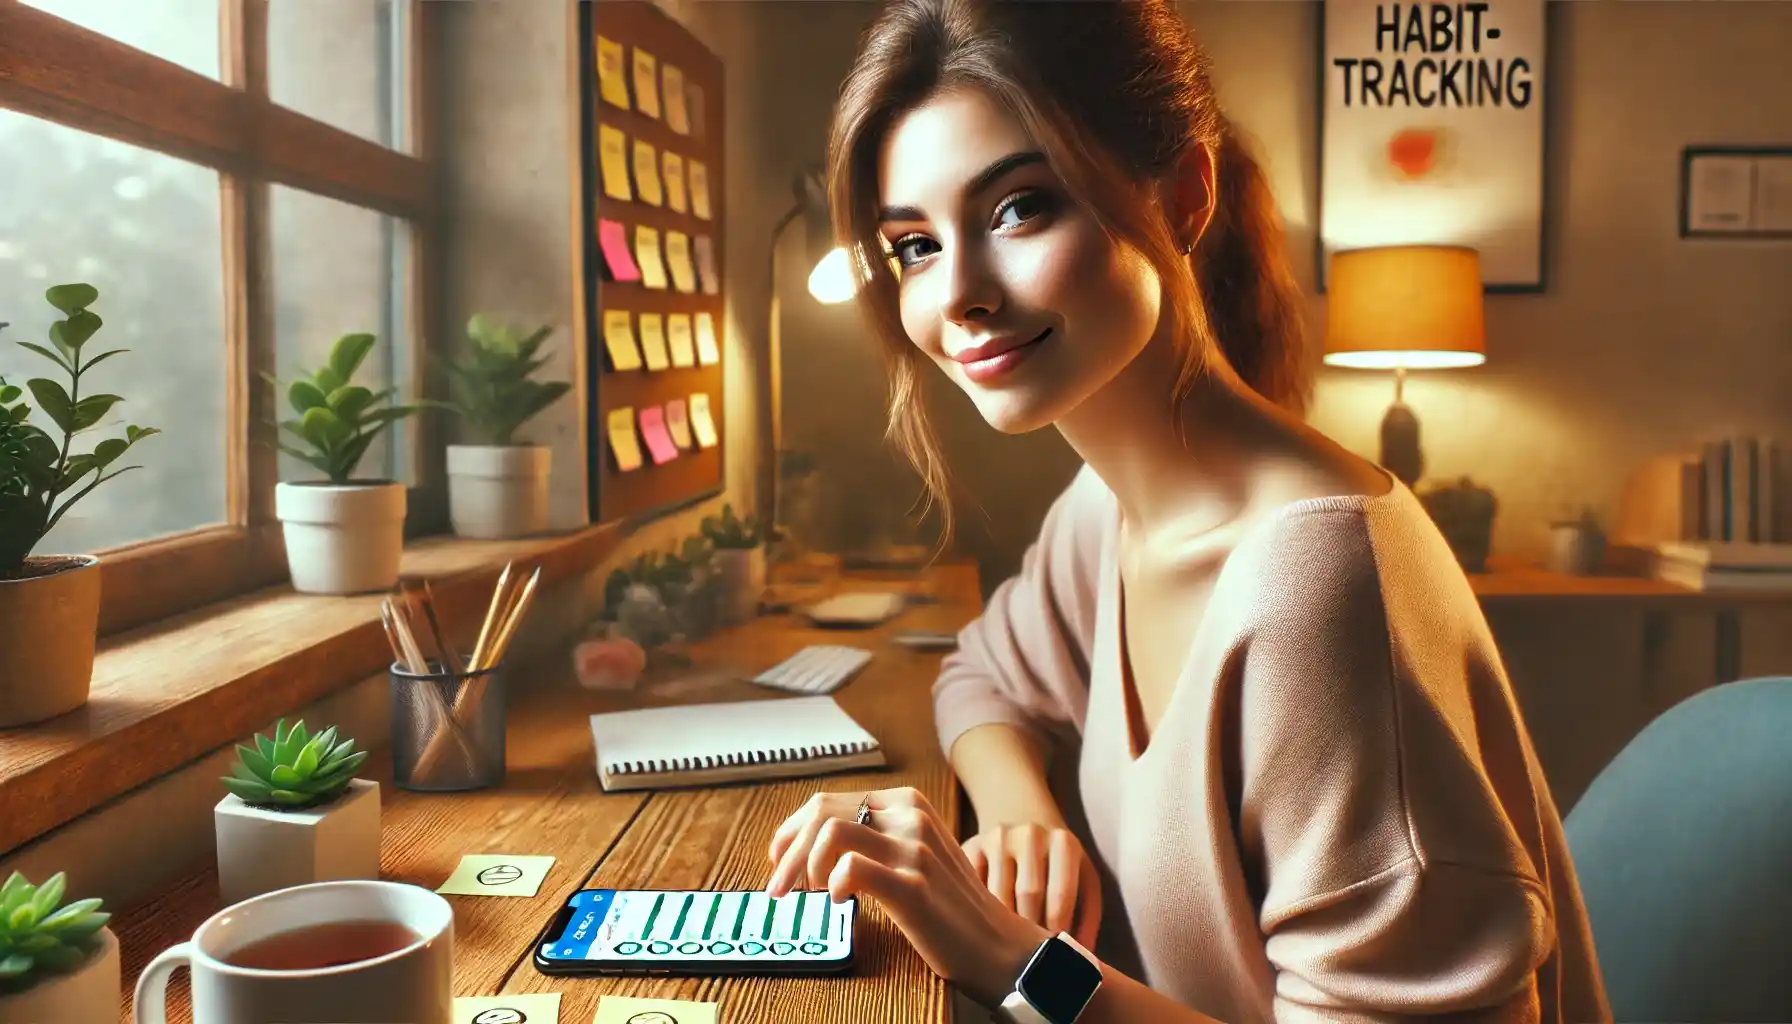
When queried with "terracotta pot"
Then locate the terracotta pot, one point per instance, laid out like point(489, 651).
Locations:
point(498, 492)
point(342, 538)
point(48, 625)
point(86, 994)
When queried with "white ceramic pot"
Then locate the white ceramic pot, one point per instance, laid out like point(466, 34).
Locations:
point(342, 538)
point(86, 994)
point(498, 492)
point(47, 630)
point(261, 850)
point(740, 574)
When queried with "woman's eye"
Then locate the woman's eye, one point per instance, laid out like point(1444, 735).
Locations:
point(911, 249)
point(1021, 207)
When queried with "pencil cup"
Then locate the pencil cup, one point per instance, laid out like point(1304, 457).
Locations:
point(447, 728)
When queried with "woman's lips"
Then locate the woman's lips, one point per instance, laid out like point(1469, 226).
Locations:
point(982, 370)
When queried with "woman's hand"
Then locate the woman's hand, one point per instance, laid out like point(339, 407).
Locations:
point(909, 862)
point(1041, 873)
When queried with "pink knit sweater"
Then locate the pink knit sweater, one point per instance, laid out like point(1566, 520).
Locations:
point(1339, 817)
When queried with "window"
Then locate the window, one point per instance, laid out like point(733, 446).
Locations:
point(243, 181)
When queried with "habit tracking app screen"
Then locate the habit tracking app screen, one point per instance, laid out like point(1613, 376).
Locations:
point(610, 924)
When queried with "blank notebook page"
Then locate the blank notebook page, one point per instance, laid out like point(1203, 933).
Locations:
point(697, 736)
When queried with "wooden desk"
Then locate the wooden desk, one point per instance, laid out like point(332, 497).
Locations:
point(551, 803)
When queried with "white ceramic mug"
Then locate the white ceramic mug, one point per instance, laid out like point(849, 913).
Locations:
point(412, 985)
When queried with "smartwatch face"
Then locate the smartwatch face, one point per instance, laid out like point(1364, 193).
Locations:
point(1059, 981)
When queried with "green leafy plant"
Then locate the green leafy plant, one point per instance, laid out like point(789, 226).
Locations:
point(37, 472)
point(661, 570)
point(295, 769)
point(491, 383)
point(728, 531)
point(41, 937)
point(337, 419)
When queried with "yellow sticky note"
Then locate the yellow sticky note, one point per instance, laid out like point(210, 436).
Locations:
point(647, 256)
point(612, 152)
point(517, 1009)
point(677, 117)
point(619, 340)
point(647, 92)
point(636, 1010)
point(708, 353)
point(678, 260)
point(673, 166)
point(647, 174)
point(624, 444)
point(653, 340)
point(678, 338)
point(702, 422)
point(612, 82)
point(497, 874)
point(695, 92)
point(699, 186)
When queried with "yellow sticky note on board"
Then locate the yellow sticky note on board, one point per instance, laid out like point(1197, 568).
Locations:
point(695, 92)
point(619, 340)
point(647, 256)
point(647, 173)
point(653, 340)
point(698, 181)
point(636, 1010)
point(624, 443)
point(612, 78)
point(647, 87)
point(702, 422)
point(678, 260)
point(708, 353)
point(677, 117)
point(678, 339)
point(612, 152)
point(515, 1009)
point(673, 166)
point(497, 874)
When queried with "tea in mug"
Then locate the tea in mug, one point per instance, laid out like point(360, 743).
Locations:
point(332, 944)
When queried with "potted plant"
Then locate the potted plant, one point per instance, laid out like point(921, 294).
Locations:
point(496, 487)
point(50, 604)
point(296, 814)
point(739, 561)
point(1464, 512)
point(344, 535)
point(58, 962)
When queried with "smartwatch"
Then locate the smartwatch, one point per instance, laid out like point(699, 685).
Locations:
point(1055, 986)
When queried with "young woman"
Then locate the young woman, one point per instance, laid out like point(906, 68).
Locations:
point(1301, 762)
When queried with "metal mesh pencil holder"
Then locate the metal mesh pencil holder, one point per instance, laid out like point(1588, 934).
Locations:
point(447, 728)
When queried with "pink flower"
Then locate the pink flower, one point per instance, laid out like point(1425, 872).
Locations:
point(609, 664)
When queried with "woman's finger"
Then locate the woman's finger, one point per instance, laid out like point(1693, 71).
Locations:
point(973, 852)
point(787, 832)
point(838, 838)
point(1001, 868)
point(1029, 869)
point(1063, 873)
point(855, 874)
point(790, 865)
point(1088, 897)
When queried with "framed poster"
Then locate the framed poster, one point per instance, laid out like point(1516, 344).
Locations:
point(1431, 131)
point(1736, 192)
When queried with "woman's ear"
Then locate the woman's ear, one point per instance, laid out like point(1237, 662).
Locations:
point(1191, 196)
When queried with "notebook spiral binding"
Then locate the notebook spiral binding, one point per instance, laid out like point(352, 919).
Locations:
point(778, 756)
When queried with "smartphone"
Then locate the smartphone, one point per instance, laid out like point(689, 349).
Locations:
point(699, 932)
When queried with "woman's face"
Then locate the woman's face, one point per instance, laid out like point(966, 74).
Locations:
point(1013, 289)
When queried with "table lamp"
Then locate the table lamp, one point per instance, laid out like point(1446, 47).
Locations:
point(1399, 308)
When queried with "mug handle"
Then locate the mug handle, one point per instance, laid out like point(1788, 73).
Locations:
point(153, 984)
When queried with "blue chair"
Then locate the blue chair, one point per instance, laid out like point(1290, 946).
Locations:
point(1683, 848)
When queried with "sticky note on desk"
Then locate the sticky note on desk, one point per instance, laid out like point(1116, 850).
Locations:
point(517, 1009)
point(497, 874)
point(635, 1010)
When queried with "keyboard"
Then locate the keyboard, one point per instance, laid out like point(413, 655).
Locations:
point(822, 668)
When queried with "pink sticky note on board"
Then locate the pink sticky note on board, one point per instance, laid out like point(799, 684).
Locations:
point(612, 238)
point(659, 442)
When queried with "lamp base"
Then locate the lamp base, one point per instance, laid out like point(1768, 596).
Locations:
point(1401, 453)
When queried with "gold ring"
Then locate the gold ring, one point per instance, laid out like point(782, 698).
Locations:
point(864, 815)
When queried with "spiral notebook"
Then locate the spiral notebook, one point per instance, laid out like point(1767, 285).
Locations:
point(707, 744)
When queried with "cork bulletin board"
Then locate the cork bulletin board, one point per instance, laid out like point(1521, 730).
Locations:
point(654, 282)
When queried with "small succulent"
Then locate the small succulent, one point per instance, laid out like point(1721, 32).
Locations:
point(491, 383)
point(295, 769)
point(37, 937)
point(728, 531)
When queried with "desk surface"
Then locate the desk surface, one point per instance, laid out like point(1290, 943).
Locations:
point(551, 803)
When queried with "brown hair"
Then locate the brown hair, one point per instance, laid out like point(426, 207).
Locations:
point(1115, 92)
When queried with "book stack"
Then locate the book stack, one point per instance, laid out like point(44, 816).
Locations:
point(1722, 565)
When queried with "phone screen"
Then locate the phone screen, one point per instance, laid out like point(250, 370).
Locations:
point(738, 930)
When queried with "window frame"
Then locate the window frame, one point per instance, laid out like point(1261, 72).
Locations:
point(62, 72)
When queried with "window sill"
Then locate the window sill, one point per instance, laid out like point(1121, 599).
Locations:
point(171, 692)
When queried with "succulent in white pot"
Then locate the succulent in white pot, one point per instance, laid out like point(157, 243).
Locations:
point(738, 562)
point(344, 534)
point(58, 962)
point(498, 488)
point(50, 604)
point(296, 814)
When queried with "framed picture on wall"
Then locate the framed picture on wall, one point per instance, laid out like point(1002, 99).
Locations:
point(1431, 131)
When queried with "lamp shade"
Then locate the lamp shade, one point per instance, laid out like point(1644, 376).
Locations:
point(1406, 307)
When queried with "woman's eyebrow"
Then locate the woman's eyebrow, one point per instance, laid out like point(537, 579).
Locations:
point(988, 176)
